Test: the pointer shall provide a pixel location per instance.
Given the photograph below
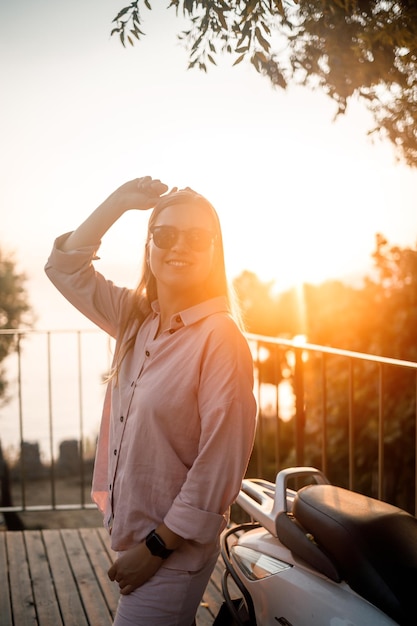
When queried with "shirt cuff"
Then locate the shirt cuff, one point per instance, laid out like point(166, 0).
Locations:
point(194, 524)
point(73, 260)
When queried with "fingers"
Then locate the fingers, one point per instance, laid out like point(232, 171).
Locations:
point(112, 571)
point(151, 187)
point(124, 587)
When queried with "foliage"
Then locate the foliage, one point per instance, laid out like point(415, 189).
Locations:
point(364, 48)
point(14, 308)
point(380, 318)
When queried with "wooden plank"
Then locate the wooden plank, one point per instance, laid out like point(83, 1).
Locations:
point(23, 605)
point(5, 597)
point(212, 595)
point(100, 561)
point(60, 577)
point(94, 603)
point(105, 539)
point(71, 607)
point(43, 587)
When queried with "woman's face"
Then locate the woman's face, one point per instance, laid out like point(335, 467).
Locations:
point(184, 262)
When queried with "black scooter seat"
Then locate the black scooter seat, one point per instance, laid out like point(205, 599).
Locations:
point(373, 545)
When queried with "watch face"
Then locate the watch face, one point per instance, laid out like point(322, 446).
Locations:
point(156, 545)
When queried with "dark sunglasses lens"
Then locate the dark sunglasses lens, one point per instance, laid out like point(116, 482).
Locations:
point(164, 236)
point(198, 239)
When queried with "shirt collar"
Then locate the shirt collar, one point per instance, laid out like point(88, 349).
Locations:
point(195, 313)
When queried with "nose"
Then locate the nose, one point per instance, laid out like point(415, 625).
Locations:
point(181, 241)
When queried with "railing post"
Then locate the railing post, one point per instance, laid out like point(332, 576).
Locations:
point(324, 414)
point(381, 432)
point(299, 406)
point(50, 420)
point(259, 428)
point(21, 437)
point(351, 427)
point(81, 416)
point(415, 450)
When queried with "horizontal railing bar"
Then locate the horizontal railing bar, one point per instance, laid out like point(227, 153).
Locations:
point(47, 507)
point(311, 347)
point(40, 331)
point(290, 343)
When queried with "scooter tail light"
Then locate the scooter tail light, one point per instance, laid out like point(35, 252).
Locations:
point(256, 565)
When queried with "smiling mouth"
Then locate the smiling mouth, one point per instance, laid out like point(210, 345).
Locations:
point(178, 263)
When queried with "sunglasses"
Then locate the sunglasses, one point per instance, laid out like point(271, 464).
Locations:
point(198, 239)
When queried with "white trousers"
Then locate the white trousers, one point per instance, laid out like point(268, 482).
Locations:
point(170, 598)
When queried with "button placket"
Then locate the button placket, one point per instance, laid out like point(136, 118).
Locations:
point(119, 439)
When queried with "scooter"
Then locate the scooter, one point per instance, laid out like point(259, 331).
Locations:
point(317, 555)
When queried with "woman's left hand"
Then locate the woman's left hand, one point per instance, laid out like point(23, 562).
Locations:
point(134, 568)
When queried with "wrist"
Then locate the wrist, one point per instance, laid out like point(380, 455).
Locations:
point(157, 546)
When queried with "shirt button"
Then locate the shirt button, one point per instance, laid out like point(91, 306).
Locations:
point(171, 331)
point(109, 487)
point(121, 418)
point(114, 452)
point(147, 353)
point(178, 319)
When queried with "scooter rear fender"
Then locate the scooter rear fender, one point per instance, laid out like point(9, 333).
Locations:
point(298, 594)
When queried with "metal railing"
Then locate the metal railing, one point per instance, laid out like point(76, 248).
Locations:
point(353, 415)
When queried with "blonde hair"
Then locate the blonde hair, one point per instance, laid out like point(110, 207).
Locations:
point(145, 293)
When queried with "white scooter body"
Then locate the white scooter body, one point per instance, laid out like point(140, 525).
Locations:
point(278, 586)
point(301, 596)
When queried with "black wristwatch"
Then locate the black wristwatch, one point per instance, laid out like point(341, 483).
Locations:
point(156, 545)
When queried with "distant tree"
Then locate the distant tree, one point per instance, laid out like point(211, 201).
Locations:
point(15, 310)
point(257, 303)
point(380, 317)
point(392, 297)
point(364, 48)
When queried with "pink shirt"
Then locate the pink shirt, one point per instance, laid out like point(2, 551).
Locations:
point(177, 428)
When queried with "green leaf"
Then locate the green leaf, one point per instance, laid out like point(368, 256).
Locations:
point(121, 13)
point(239, 59)
point(221, 18)
point(264, 43)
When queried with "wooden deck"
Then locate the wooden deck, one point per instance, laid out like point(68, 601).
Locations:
point(59, 578)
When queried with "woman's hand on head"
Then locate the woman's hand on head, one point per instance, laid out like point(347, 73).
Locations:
point(141, 193)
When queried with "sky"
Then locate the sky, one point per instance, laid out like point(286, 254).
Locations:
point(300, 196)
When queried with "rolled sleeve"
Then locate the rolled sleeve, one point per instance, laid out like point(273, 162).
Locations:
point(73, 274)
point(69, 262)
point(192, 523)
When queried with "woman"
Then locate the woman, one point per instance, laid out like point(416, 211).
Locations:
point(179, 416)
